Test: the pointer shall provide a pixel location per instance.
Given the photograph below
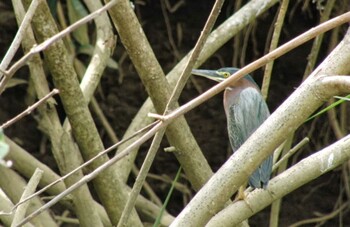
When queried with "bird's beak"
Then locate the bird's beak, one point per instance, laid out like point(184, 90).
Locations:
point(210, 74)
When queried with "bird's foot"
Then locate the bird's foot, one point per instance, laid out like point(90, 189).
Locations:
point(240, 194)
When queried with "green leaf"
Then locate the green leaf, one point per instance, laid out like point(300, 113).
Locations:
point(89, 50)
point(4, 150)
point(111, 63)
point(333, 105)
point(4, 147)
point(86, 49)
point(14, 82)
point(53, 7)
point(76, 11)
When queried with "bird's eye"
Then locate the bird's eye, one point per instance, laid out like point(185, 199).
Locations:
point(226, 74)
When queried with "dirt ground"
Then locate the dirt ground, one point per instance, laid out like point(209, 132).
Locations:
point(121, 94)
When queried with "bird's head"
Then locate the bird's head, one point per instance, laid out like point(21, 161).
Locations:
point(220, 74)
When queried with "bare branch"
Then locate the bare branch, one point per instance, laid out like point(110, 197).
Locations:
point(308, 105)
point(30, 189)
point(29, 109)
point(303, 102)
point(37, 49)
point(19, 36)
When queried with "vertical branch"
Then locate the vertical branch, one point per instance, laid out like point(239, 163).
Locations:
point(104, 46)
point(274, 42)
point(66, 154)
point(171, 104)
point(274, 215)
point(30, 189)
point(19, 37)
point(178, 134)
point(216, 39)
point(110, 190)
point(318, 41)
point(309, 96)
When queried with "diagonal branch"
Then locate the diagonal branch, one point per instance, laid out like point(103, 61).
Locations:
point(109, 189)
point(179, 134)
point(303, 172)
point(216, 39)
point(264, 147)
point(285, 120)
point(171, 103)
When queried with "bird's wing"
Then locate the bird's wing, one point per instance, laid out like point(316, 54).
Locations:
point(250, 112)
point(246, 116)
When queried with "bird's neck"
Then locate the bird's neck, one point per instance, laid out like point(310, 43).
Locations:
point(232, 93)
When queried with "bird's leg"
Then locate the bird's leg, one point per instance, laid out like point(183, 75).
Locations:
point(240, 194)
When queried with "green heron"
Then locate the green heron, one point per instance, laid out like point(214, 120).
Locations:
point(245, 111)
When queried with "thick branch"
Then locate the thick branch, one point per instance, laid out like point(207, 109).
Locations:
point(286, 119)
point(104, 46)
point(65, 152)
point(219, 87)
point(305, 171)
point(217, 39)
point(13, 186)
point(25, 164)
point(179, 135)
point(110, 190)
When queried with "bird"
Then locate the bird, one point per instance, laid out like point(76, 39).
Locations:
point(245, 110)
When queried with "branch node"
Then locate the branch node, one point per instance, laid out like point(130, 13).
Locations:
point(157, 116)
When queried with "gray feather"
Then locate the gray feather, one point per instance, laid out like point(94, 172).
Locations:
point(247, 113)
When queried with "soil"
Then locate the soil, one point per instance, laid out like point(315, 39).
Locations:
point(121, 95)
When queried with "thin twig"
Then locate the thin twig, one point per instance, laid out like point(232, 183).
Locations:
point(113, 137)
point(323, 218)
point(312, 58)
point(169, 31)
point(194, 55)
point(19, 36)
point(87, 178)
point(290, 153)
point(276, 205)
point(141, 177)
point(40, 47)
point(274, 42)
point(29, 109)
point(29, 190)
point(61, 179)
point(285, 48)
point(104, 121)
point(334, 122)
point(153, 197)
point(200, 99)
point(172, 102)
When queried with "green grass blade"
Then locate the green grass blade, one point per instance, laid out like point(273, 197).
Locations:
point(340, 101)
point(160, 215)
